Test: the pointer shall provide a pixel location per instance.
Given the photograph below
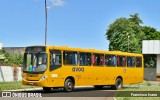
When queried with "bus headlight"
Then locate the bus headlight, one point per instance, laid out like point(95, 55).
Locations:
point(43, 77)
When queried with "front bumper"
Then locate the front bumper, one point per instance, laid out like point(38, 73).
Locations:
point(42, 83)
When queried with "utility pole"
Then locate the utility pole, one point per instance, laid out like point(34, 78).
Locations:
point(128, 42)
point(46, 22)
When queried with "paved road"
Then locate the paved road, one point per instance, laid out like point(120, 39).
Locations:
point(80, 93)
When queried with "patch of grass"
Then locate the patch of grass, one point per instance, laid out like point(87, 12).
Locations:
point(144, 83)
point(137, 98)
point(148, 84)
point(13, 86)
point(140, 89)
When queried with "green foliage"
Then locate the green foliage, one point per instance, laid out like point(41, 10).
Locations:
point(127, 33)
point(148, 84)
point(150, 33)
point(2, 51)
point(118, 33)
point(13, 86)
point(150, 61)
point(16, 59)
point(134, 18)
point(2, 56)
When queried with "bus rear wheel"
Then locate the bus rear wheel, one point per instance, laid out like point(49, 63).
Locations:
point(118, 84)
point(46, 89)
point(69, 85)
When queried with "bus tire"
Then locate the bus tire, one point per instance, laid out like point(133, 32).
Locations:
point(98, 87)
point(69, 85)
point(118, 84)
point(46, 89)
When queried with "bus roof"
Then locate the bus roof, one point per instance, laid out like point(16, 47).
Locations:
point(91, 50)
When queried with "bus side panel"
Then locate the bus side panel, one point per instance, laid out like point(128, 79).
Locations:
point(80, 77)
point(110, 75)
point(130, 75)
point(57, 78)
point(139, 75)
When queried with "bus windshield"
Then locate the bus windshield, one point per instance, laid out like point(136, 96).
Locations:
point(35, 62)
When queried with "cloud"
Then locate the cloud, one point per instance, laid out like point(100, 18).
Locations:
point(53, 3)
point(57, 3)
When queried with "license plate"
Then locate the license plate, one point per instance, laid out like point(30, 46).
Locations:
point(30, 83)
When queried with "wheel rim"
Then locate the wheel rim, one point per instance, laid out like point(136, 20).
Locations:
point(119, 84)
point(70, 85)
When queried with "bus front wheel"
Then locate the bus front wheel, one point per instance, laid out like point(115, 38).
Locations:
point(69, 85)
point(118, 84)
point(46, 89)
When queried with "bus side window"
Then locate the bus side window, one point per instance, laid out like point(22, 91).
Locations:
point(138, 62)
point(133, 61)
point(121, 61)
point(82, 59)
point(74, 58)
point(98, 59)
point(102, 60)
point(107, 60)
point(117, 60)
point(130, 61)
point(70, 58)
point(93, 59)
point(88, 59)
point(85, 59)
point(111, 60)
point(55, 59)
point(124, 61)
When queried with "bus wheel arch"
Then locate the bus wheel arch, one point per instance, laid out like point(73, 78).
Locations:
point(69, 84)
point(118, 83)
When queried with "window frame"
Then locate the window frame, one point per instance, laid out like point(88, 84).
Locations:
point(140, 62)
point(101, 61)
point(64, 58)
point(131, 66)
point(85, 58)
point(114, 63)
point(54, 67)
point(118, 65)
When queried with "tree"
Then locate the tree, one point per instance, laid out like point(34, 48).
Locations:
point(118, 33)
point(134, 18)
point(16, 59)
point(2, 56)
point(150, 33)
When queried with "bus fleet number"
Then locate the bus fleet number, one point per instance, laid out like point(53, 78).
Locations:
point(75, 69)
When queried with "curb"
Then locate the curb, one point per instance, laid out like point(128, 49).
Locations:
point(40, 88)
point(27, 89)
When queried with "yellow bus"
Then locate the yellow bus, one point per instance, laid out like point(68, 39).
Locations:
point(65, 67)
